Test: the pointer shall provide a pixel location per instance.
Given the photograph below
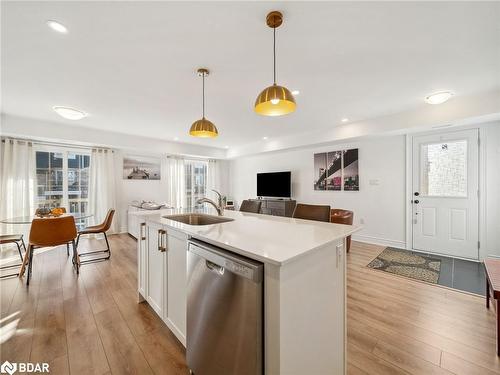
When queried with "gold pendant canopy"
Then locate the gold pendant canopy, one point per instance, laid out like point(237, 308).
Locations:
point(204, 129)
point(275, 101)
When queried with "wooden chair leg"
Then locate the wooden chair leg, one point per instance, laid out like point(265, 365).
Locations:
point(25, 262)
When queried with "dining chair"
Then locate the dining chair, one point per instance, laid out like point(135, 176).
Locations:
point(340, 216)
point(250, 206)
point(312, 212)
point(47, 232)
point(12, 239)
point(63, 210)
point(96, 229)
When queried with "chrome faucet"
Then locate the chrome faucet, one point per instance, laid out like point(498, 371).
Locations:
point(219, 206)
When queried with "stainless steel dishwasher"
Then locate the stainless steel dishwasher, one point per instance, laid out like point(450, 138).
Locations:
point(224, 312)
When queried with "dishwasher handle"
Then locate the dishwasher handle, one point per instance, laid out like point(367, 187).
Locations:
point(214, 267)
point(219, 260)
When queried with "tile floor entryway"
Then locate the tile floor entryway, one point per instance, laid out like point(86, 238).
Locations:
point(461, 274)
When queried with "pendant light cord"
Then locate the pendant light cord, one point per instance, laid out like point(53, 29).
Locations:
point(203, 100)
point(274, 55)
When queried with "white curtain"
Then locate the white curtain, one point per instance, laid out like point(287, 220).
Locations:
point(214, 178)
point(175, 181)
point(18, 179)
point(102, 186)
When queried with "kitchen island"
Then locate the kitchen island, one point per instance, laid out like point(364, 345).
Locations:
point(304, 281)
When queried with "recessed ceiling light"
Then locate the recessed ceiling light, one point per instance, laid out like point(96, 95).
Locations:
point(264, 138)
point(345, 119)
point(56, 26)
point(295, 92)
point(69, 113)
point(438, 97)
point(176, 138)
point(226, 146)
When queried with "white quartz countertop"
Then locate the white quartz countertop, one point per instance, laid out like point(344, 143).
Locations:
point(269, 239)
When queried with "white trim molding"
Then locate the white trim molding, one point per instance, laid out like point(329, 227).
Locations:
point(379, 241)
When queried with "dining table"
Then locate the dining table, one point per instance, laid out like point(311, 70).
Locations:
point(27, 219)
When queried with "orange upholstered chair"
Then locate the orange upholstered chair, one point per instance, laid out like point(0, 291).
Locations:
point(95, 229)
point(339, 216)
point(50, 231)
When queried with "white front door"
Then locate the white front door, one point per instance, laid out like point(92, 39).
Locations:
point(445, 193)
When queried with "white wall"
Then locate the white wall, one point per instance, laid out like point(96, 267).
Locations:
point(490, 223)
point(381, 207)
point(122, 144)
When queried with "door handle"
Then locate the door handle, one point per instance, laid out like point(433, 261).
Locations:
point(143, 231)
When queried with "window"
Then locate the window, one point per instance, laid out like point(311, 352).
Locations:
point(444, 172)
point(196, 181)
point(62, 179)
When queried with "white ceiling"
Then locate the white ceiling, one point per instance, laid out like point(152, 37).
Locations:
point(132, 65)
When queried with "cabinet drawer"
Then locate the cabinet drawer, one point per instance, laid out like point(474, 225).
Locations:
point(276, 205)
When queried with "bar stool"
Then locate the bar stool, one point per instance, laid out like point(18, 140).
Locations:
point(250, 206)
point(312, 212)
point(13, 239)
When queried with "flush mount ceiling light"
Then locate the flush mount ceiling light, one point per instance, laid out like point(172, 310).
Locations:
point(203, 128)
point(275, 100)
point(438, 97)
point(345, 119)
point(56, 26)
point(295, 92)
point(69, 113)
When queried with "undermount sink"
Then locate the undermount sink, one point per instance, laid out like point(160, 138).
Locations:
point(198, 219)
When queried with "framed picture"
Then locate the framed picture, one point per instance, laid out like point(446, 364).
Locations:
point(141, 168)
point(351, 172)
point(336, 170)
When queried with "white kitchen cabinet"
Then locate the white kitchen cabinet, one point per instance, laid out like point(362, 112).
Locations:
point(133, 222)
point(156, 267)
point(142, 262)
point(176, 283)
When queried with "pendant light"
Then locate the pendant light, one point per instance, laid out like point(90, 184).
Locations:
point(203, 128)
point(275, 100)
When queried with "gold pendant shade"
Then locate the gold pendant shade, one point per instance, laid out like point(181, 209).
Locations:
point(275, 101)
point(203, 128)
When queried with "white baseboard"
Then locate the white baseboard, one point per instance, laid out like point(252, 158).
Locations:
point(379, 241)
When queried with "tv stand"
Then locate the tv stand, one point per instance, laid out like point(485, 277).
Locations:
point(276, 206)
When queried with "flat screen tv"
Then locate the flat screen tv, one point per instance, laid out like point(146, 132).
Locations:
point(277, 184)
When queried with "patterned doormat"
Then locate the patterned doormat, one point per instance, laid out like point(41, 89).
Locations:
point(409, 264)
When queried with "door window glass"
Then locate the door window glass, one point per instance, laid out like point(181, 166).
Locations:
point(444, 169)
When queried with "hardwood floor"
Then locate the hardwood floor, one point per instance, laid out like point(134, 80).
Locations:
point(92, 324)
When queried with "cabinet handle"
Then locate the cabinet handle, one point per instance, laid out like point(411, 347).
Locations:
point(165, 240)
point(339, 253)
point(162, 240)
point(143, 232)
